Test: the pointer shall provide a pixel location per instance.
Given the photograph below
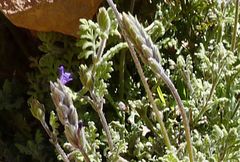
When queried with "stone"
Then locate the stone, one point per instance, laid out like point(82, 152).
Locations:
point(49, 15)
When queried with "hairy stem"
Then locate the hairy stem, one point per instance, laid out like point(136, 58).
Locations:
point(143, 79)
point(176, 96)
point(105, 127)
point(159, 114)
point(234, 34)
point(107, 131)
point(60, 151)
point(97, 105)
point(83, 152)
point(53, 140)
point(101, 48)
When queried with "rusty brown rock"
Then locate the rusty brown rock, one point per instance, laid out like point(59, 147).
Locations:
point(49, 15)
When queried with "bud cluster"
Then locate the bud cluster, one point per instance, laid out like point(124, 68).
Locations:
point(67, 113)
point(140, 39)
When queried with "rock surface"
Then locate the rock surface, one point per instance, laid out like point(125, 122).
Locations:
point(49, 15)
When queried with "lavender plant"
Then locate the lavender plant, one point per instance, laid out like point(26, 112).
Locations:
point(198, 64)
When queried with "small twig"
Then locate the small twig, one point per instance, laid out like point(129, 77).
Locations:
point(97, 105)
point(101, 48)
point(105, 126)
point(53, 140)
point(60, 151)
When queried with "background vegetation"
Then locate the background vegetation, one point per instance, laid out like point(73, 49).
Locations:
point(198, 50)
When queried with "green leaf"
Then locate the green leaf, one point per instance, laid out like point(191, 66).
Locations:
point(38, 137)
point(86, 45)
point(100, 87)
point(53, 122)
point(85, 54)
point(160, 94)
point(114, 24)
point(89, 38)
point(103, 70)
point(114, 50)
point(170, 157)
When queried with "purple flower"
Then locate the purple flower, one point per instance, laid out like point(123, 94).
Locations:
point(65, 77)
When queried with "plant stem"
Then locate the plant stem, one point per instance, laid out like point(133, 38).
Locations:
point(107, 130)
point(121, 74)
point(105, 127)
point(117, 14)
point(234, 34)
point(101, 48)
point(97, 105)
point(60, 151)
point(147, 121)
point(176, 96)
point(53, 140)
point(143, 79)
point(158, 113)
point(83, 152)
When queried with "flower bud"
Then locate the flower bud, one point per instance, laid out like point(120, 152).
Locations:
point(104, 20)
point(37, 109)
point(70, 134)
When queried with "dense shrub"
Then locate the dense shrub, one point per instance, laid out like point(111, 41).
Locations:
point(97, 107)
